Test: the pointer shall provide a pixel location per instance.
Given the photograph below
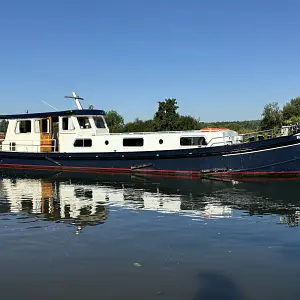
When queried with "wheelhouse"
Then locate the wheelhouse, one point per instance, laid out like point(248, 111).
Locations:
point(46, 132)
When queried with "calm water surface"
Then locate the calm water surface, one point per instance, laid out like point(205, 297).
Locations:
point(114, 237)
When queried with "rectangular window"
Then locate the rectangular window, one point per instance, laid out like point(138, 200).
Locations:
point(12, 146)
point(67, 124)
point(133, 142)
point(99, 122)
point(37, 126)
point(3, 125)
point(23, 126)
point(45, 125)
point(83, 143)
point(84, 122)
point(193, 141)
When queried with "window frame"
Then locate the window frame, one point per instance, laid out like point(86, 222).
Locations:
point(69, 120)
point(17, 128)
point(37, 123)
point(42, 126)
point(83, 144)
point(102, 120)
point(84, 117)
point(201, 138)
point(128, 145)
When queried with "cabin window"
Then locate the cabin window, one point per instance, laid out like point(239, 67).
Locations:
point(45, 126)
point(83, 143)
point(84, 122)
point(37, 126)
point(99, 122)
point(67, 124)
point(12, 146)
point(193, 141)
point(3, 125)
point(133, 142)
point(23, 126)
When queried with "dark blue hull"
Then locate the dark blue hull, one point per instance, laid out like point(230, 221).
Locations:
point(273, 156)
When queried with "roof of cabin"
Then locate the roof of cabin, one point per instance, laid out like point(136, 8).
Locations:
point(75, 112)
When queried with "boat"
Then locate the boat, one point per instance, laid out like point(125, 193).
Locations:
point(79, 140)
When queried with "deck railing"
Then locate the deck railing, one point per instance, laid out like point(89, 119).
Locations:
point(28, 146)
point(257, 135)
point(270, 134)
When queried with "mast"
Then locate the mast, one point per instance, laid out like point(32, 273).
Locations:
point(77, 100)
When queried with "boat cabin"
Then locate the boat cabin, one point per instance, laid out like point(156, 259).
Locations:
point(87, 131)
point(48, 132)
point(83, 130)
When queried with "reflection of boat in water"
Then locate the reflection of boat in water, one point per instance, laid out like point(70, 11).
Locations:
point(87, 200)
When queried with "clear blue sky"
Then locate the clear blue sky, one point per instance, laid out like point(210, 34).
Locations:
point(222, 60)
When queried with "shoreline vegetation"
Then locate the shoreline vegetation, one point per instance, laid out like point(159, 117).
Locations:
point(167, 118)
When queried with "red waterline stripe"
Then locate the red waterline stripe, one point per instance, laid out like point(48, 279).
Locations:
point(92, 169)
point(95, 169)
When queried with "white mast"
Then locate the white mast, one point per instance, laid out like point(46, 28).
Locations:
point(77, 100)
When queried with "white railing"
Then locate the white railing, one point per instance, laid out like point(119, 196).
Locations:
point(253, 136)
point(266, 134)
point(27, 146)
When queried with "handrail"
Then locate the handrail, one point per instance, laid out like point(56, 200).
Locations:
point(34, 144)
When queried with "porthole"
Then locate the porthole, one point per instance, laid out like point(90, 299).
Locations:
point(106, 142)
point(160, 141)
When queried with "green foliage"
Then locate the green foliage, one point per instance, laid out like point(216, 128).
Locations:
point(115, 122)
point(271, 116)
point(3, 125)
point(291, 109)
point(234, 126)
point(249, 125)
point(293, 120)
point(166, 118)
point(139, 126)
point(188, 123)
point(239, 126)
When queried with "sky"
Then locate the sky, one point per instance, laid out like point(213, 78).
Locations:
point(221, 60)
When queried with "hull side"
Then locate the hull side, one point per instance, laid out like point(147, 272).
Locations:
point(277, 156)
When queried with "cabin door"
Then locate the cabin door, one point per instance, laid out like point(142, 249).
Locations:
point(46, 134)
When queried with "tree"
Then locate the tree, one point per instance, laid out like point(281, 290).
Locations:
point(114, 121)
point(271, 116)
point(291, 109)
point(166, 118)
point(139, 126)
point(234, 126)
point(188, 123)
point(293, 120)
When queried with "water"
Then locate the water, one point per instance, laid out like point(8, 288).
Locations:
point(114, 237)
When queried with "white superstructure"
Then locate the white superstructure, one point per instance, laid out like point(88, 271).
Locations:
point(86, 131)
